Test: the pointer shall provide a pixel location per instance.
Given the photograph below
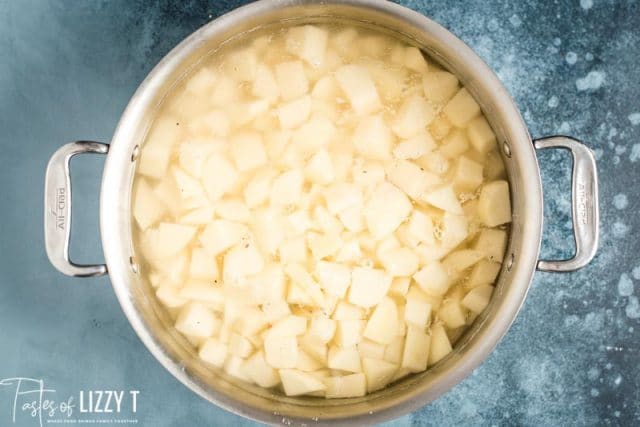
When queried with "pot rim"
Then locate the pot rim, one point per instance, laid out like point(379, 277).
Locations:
point(115, 212)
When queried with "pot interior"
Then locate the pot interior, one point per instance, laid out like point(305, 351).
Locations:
point(155, 326)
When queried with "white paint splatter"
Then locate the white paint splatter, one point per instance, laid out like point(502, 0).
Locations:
point(625, 285)
point(571, 58)
point(586, 4)
point(636, 273)
point(553, 102)
point(588, 57)
point(634, 118)
point(564, 128)
point(635, 153)
point(515, 20)
point(557, 41)
point(619, 229)
point(617, 380)
point(591, 81)
point(620, 201)
point(633, 308)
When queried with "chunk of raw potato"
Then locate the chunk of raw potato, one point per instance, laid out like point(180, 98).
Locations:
point(349, 332)
point(411, 179)
point(156, 152)
point(385, 210)
point(433, 278)
point(481, 136)
point(454, 144)
point(287, 188)
point(414, 59)
point(383, 323)
point(417, 310)
point(454, 229)
point(368, 348)
point(241, 261)
point(461, 108)
point(444, 198)
point(378, 373)
point(308, 43)
point(354, 385)
point(416, 349)
point(372, 138)
point(414, 147)
point(281, 352)
point(458, 261)
point(203, 265)
point(440, 344)
point(147, 207)
point(240, 346)
point(414, 115)
point(356, 83)
point(260, 372)
point(439, 86)
point(341, 196)
point(368, 286)
point(467, 175)
point(494, 205)
point(171, 238)
point(333, 277)
point(295, 112)
point(492, 243)
point(241, 65)
point(220, 235)
point(483, 273)
point(344, 359)
point(452, 314)
point(296, 382)
point(288, 326)
point(346, 311)
point(248, 151)
point(265, 84)
point(322, 327)
point(218, 176)
point(292, 79)
point(195, 320)
point(399, 261)
point(313, 135)
point(214, 352)
point(234, 366)
point(170, 296)
point(478, 298)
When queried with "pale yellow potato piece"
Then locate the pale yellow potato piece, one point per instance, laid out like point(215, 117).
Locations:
point(494, 204)
point(353, 385)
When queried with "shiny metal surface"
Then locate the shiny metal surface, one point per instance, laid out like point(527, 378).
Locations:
point(153, 325)
point(584, 203)
point(57, 207)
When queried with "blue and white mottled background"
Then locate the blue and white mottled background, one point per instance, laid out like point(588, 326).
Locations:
point(67, 70)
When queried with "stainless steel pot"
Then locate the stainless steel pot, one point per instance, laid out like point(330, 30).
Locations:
point(153, 325)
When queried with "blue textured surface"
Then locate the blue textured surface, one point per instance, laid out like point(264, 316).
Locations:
point(67, 71)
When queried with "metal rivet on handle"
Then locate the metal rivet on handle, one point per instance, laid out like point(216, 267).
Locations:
point(135, 153)
point(134, 264)
point(506, 149)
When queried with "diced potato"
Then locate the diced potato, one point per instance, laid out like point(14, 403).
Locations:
point(241, 65)
point(353, 385)
point(225, 92)
point(326, 89)
point(196, 320)
point(346, 311)
point(308, 43)
point(170, 296)
point(352, 218)
point(322, 327)
point(444, 198)
point(281, 352)
point(435, 162)
point(202, 81)
point(294, 112)
point(481, 136)
point(342, 196)
point(240, 346)
point(414, 115)
point(234, 366)
point(287, 188)
point(248, 151)
point(258, 189)
point(372, 138)
point(417, 310)
point(288, 326)
point(220, 235)
point(293, 250)
point(296, 382)
point(385, 210)
point(440, 345)
point(350, 252)
point(147, 207)
point(454, 144)
point(203, 265)
point(411, 179)
point(275, 309)
point(393, 352)
point(241, 261)
point(433, 278)
point(257, 368)
point(399, 261)
point(205, 293)
point(313, 135)
point(333, 277)
point(414, 60)
point(156, 153)
point(461, 108)
point(233, 209)
point(218, 176)
point(494, 204)
point(378, 373)
point(171, 239)
point(356, 83)
point(323, 245)
point(368, 286)
point(414, 147)
point(344, 359)
point(439, 86)
point(382, 324)
point(265, 84)
point(494, 166)
point(478, 298)
point(250, 322)
point(416, 349)
point(349, 332)
point(292, 79)
point(492, 243)
point(458, 261)
point(399, 286)
point(467, 174)
point(214, 352)
point(454, 229)
point(483, 273)
point(368, 348)
point(452, 314)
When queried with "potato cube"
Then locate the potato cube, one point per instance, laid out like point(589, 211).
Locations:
point(147, 207)
point(346, 311)
point(293, 250)
point(354, 385)
point(414, 115)
point(439, 86)
point(294, 112)
point(414, 147)
point(197, 321)
point(417, 311)
point(241, 261)
point(342, 196)
point(313, 135)
point(288, 326)
point(416, 349)
point(481, 136)
point(322, 327)
point(265, 84)
point(275, 309)
point(296, 382)
point(326, 89)
point(433, 278)
point(454, 144)
point(415, 60)
point(440, 344)
point(399, 286)
point(323, 245)
point(478, 298)
point(202, 81)
point(368, 348)
point(355, 81)
point(214, 352)
point(233, 209)
point(218, 176)
point(248, 151)
point(250, 322)
point(372, 138)
point(205, 293)
point(385, 210)
point(399, 261)
point(170, 297)
point(257, 368)
point(292, 79)
point(155, 155)
point(383, 323)
point(444, 198)
point(241, 65)
point(454, 229)
point(494, 205)
point(333, 277)
point(281, 351)
point(225, 92)
point(378, 373)
point(411, 179)
point(344, 359)
point(349, 332)
point(393, 352)
point(287, 188)
point(461, 108)
point(220, 235)
point(452, 314)
point(467, 174)
point(483, 273)
point(368, 286)
point(492, 243)
point(172, 238)
point(309, 43)
point(258, 189)
point(240, 346)
point(203, 265)
point(458, 261)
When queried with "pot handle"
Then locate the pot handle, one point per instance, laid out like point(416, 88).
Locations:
point(584, 202)
point(57, 205)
